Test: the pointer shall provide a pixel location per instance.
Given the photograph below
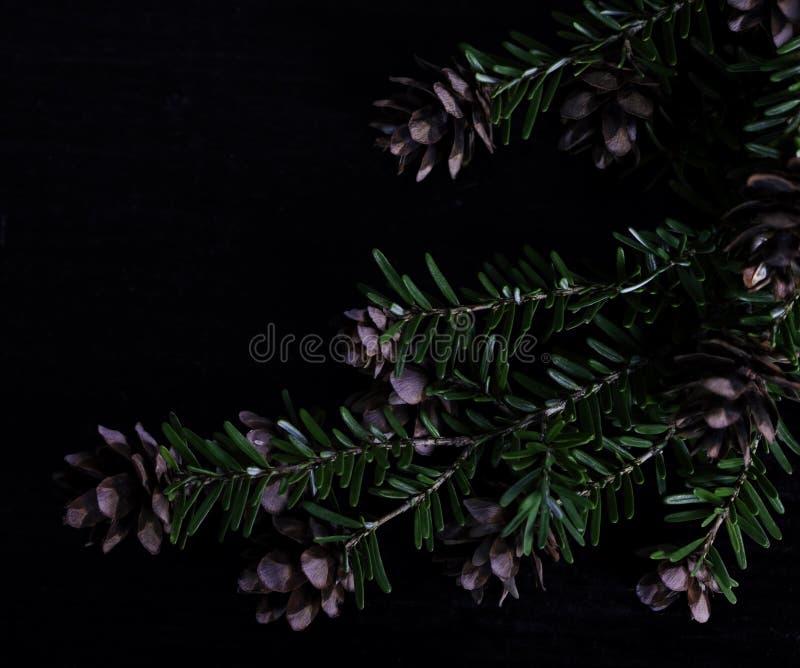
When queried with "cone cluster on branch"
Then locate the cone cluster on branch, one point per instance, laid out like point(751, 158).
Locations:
point(437, 119)
point(495, 558)
point(660, 589)
point(125, 490)
point(726, 398)
point(780, 17)
point(771, 237)
point(404, 394)
point(603, 112)
point(297, 577)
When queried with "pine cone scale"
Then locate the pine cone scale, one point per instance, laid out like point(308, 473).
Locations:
point(150, 530)
point(790, 9)
point(115, 496)
point(84, 511)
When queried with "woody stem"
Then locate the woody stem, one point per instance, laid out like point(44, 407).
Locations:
point(415, 500)
point(725, 510)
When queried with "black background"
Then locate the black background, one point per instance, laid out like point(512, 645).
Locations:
point(175, 177)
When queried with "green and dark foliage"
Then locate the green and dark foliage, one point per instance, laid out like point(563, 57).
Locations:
point(512, 420)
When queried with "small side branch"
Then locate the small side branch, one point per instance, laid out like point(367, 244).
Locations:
point(628, 468)
point(725, 511)
point(637, 23)
point(415, 500)
point(611, 290)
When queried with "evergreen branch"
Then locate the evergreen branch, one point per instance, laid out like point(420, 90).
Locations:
point(608, 36)
point(197, 487)
point(628, 467)
point(623, 25)
point(560, 405)
point(199, 476)
point(605, 290)
point(666, 261)
point(415, 500)
point(736, 502)
point(254, 473)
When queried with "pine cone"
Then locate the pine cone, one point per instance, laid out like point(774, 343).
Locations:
point(773, 232)
point(780, 17)
point(363, 348)
point(298, 577)
point(603, 112)
point(260, 434)
point(658, 590)
point(261, 431)
point(432, 119)
point(405, 397)
point(129, 491)
point(727, 396)
point(495, 556)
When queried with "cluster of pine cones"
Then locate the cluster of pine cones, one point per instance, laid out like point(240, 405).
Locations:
point(404, 395)
point(441, 115)
point(427, 120)
point(296, 577)
point(722, 393)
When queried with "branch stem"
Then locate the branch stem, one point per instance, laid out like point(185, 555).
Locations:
point(413, 501)
point(468, 442)
point(630, 466)
point(559, 407)
point(711, 536)
point(625, 33)
point(612, 289)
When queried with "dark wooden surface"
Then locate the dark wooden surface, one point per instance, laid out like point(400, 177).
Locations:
point(174, 176)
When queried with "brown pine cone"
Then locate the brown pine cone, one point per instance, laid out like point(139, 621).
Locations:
point(129, 492)
point(603, 112)
point(261, 431)
point(260, 434)
point(727, 395)
point(405, 397)
point(772, 219)
point(780, 17)
point(436, 120)
point(361, 340)
point(297, 577)
point(660, 589)
point(495, 556)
